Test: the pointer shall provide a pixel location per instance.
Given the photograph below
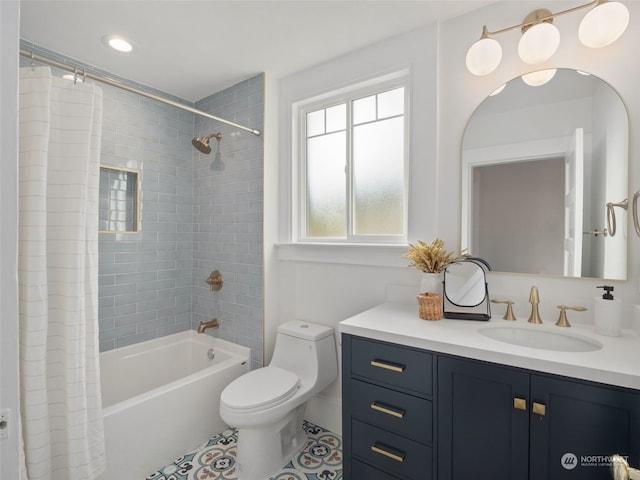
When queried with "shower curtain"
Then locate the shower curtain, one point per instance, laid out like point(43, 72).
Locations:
point(59, 168)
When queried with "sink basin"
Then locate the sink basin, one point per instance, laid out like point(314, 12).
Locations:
point(542, 339)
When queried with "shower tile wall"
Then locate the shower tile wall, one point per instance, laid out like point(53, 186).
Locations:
point(198, 213)
point(145, 277)
point(228, 216)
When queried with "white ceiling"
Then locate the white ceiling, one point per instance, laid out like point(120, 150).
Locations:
point(195, 48)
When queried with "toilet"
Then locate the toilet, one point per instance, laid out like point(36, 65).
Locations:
point(267, 405)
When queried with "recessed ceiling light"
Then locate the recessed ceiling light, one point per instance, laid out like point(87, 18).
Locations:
point(118, 43)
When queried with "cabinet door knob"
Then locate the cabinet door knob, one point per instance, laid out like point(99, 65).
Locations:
point(539, 408)
point(389, 410)
point(394, 367)
point(519, 403)
point(388, 452)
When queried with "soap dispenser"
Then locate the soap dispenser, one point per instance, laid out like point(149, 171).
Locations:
point(608, 313)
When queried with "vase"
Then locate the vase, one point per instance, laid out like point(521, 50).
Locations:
point(431, 283)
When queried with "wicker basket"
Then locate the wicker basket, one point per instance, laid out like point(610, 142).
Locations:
point(430, 306)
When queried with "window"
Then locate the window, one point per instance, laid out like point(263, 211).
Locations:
point(352, 165)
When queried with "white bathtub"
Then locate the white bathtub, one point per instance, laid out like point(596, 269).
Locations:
point(161, 399)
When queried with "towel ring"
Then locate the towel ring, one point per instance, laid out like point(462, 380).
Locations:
point(634, 209)
point(611, 215)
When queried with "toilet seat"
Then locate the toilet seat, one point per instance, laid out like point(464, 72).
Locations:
point(259, 390)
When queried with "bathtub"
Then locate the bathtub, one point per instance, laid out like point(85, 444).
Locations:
point(161, 399)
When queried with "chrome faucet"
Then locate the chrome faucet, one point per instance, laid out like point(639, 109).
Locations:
point(534, 300)
point(210, 324)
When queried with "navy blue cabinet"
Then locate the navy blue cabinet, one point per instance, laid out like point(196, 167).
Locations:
point(388, 411)
point(580, 426)
point(483, 421)
point(410, 414)
point(504, 423)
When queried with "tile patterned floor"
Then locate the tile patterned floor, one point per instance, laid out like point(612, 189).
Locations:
point(321, 459)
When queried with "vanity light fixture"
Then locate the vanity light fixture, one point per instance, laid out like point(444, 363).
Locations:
point(601, 26)
point(536, 79)
point(540, 38)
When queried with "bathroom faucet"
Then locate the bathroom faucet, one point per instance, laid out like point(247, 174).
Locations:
point(534, 300)
point(210, 324)
point(562, 320)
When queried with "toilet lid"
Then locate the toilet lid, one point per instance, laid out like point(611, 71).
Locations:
point(259, 389)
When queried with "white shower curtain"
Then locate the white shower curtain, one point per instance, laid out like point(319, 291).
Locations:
point(61, 410)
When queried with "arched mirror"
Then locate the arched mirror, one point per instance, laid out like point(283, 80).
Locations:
point(545, 178)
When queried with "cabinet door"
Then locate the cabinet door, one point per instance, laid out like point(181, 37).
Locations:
point(579, 426)
point(481, 433)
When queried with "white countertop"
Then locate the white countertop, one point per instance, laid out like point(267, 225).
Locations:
point(616, 363)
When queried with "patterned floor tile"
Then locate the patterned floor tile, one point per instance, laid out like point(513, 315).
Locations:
point(321, 459)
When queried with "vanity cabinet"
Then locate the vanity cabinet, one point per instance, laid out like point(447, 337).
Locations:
point(507, 424)
point(388, 411)
point(411, 414)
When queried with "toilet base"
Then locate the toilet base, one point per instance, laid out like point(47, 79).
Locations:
point(263, 451)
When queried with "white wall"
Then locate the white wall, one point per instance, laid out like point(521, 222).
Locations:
point(330, 292)
point(321, 287)
point(9, 26)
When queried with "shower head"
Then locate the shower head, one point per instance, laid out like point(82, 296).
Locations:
point(202, 143)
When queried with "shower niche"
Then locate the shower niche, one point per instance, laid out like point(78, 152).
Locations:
point(119, 200)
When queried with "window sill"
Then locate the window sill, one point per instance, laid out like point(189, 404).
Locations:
point(350, 254)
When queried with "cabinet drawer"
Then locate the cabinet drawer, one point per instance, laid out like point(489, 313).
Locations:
point(401, 413)
point(362, 471)
point(394, 365)
point(391, 452)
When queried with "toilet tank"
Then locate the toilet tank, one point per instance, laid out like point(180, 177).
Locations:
point(308, 350)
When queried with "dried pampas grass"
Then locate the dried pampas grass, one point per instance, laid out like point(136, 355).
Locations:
point(432, 257)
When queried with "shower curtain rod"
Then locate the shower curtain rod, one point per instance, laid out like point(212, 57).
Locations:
point(94, 76)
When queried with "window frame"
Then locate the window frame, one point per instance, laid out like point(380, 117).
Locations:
point(347, 95)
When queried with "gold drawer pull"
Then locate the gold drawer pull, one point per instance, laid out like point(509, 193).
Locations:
point(398, 457)
point(394, 367)
point(519, 403)
point(387, 409)
point(539, 408)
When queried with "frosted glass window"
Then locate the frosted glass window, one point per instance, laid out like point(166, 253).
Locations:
point(118, 201)
point(336, 118)
point(315, 123)
point(391, 103)
point(364, 109)
point(378, 177)
point(353, 183)
point(326, 186)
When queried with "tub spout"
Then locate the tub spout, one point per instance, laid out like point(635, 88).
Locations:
point(211, 324)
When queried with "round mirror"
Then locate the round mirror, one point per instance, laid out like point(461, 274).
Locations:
point(542, 169)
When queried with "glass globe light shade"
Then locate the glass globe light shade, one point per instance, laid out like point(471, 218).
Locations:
point(603, 25)
point(498, 90)
point(536, 79)
point(484, 56)
point(539, 43)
